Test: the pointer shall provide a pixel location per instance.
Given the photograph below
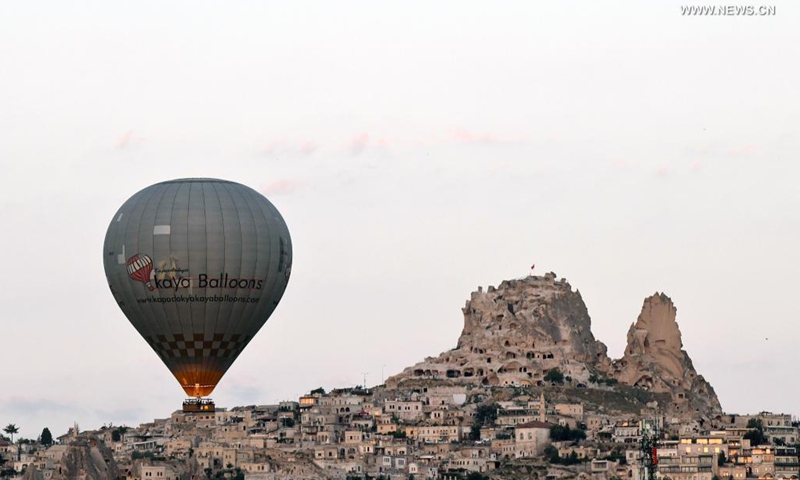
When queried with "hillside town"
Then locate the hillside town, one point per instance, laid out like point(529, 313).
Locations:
point(528, 392)
point(439, 432)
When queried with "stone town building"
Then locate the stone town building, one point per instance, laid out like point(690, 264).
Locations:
point(530, 439)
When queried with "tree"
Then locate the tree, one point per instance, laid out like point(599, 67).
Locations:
point(721, 459)
point(756, 434)
point(319, 390)
point(550, 450)
point(117, 433)
point(486, 414)
point(755, 423)
point(47, 438)
point(11, 429)
point(756, 437)
point(560, 433)
point(476, 476)
point(475, 432)
point(554, 376)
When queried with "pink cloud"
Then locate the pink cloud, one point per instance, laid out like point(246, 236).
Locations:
point(274, 147)
point(621, 164)
point(281, 187)
point(127, 140)
point(307, 148)
point(745, 150)
point(358, 143)
point(464, 136)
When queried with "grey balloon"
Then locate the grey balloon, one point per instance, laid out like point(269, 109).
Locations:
point(197, 266)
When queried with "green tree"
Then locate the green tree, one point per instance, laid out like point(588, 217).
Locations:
point(11, 429)
point(756, 437)
point(476, 476)
point(554, 376)
point(755, 423)
point(551, 454)
point(117, 433)
point(319, 390)
point(756, 433)
point(475, 432)
point(560, 433)
point(721, 459)
point(47, 438)
point(486, 414)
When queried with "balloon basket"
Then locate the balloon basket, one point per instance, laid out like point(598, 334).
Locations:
point(198, 405)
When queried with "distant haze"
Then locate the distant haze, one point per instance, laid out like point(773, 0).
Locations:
point(416, 151)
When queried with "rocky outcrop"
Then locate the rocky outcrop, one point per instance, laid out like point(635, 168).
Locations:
point(516, 333)
point(654, 359)
point(32, 473)
point(87, 459)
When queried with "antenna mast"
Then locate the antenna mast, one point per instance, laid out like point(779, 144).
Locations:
point(649, 448)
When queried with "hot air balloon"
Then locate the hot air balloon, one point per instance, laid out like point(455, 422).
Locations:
point(197, 266)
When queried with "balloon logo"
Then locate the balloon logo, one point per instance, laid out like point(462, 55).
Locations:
point(198, 314)
point(140, 266)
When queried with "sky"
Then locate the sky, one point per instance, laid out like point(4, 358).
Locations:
point(417, 150)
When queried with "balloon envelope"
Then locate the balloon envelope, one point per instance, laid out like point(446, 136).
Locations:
point(197, 266)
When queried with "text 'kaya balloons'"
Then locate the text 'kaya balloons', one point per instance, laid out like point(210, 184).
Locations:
point(197, 266)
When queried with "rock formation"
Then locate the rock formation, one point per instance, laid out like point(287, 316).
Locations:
point(655, 360)
point(87, 459)
point(32, 473)
point(516, 333)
